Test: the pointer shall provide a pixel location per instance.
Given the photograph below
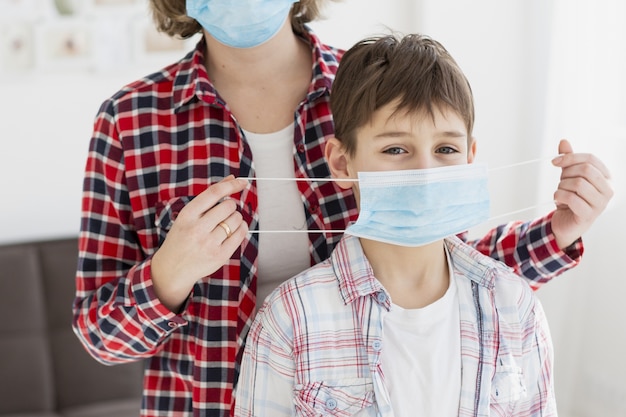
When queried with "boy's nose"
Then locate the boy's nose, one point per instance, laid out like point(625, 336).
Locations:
point(425, 161)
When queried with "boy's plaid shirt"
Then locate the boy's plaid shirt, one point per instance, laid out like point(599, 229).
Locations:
point(315, 347)
point(157, 143)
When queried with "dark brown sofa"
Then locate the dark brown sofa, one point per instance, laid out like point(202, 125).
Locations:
point(44, 370)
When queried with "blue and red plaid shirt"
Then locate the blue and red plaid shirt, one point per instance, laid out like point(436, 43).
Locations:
point(161, 141)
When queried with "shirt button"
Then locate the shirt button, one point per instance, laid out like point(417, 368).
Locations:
point(381, 297)
point(377, 345)
point(172, 324)
point(300, 147)
point(331, 403)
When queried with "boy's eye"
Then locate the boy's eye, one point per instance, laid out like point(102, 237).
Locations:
point(394, 150)
point(446, 150)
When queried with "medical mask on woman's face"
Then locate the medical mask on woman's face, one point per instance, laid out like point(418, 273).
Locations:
point(240, 23)
point(417, 207)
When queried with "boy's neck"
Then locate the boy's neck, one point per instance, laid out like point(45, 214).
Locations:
point(414, 277)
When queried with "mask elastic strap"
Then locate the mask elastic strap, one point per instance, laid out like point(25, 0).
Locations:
point(335, 231)
point(517, 164)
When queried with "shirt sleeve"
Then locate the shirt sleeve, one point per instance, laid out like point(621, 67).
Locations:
point(266, 383)
point(530, 249)
point(117, 315)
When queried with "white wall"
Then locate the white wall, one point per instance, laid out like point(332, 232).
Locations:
point(46, 124)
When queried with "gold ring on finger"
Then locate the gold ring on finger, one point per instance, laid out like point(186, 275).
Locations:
point(226, 228)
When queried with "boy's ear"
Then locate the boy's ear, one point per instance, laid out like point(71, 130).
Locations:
point(337, 160)
point(471, 151)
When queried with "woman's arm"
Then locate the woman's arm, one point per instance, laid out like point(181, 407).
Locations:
point(117, 315)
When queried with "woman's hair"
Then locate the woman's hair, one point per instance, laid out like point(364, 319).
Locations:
point(171, 17)
point(415, 70)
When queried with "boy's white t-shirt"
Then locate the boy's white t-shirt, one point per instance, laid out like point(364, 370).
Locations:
point(281, 255)
point(421, 357)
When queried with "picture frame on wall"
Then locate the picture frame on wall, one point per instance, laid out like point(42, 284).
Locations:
point(64, 44)
point(154, 48)
point(17, 47)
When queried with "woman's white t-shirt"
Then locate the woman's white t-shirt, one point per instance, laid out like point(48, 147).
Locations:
point(281, 255)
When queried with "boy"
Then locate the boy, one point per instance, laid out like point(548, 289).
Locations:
point(403, 319)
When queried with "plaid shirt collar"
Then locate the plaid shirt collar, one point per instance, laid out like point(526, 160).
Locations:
point(191, 82)
point(356, 276)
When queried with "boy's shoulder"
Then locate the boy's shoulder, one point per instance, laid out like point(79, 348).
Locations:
point(337, 281)
point(308, 302)
point(316, 281)
point(475, 265)
point(508, 288)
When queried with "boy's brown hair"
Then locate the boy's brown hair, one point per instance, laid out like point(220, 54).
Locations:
point(171, 17)
point(415, 70)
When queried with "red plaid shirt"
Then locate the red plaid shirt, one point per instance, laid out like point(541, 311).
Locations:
point(157, 143)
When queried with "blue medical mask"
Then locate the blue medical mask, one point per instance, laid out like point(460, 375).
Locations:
point(417, 207)
point(240, 23)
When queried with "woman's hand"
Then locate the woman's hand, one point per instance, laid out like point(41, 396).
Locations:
point(582, 194)
point(202, 239)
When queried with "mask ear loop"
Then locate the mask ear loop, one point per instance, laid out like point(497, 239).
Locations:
point(335, 231)
point(522, 210)
point(517, 164)
point(536, 206)
point(298, 179)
